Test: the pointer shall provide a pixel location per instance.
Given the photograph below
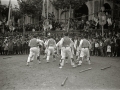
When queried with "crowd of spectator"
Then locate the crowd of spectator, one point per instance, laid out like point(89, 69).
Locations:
point(109, 45)
point(12, 45)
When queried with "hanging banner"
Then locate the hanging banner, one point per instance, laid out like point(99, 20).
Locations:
point(43, 9)
point(46, 24)
point(102, 18)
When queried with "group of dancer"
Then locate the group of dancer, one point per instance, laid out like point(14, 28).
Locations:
point(66, 47)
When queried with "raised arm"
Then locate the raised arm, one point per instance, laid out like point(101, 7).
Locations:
point(80, 45)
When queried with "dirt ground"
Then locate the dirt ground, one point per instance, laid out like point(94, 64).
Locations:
point(15, 75)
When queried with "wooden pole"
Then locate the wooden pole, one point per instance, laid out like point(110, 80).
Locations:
point(85, 70)
point(65, 16)
point(9, 13)
point(105, 67)
point(63, 83)
point(69, 19)
point(23, 25)
point(47, 9)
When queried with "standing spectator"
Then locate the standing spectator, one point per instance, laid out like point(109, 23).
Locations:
point(92, 47)
point(118, 45)
point(96, 48)
point(6, 47)
point(19, 46)
point(15, 49)
point(115, 52)
point(27, 47)
point(0, 47)
point(101, 47)
point(106, 43)
point(112, 47)
point(23, 47)
point(10, 46)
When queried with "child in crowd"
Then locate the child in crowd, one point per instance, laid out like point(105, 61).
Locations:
point(101, 48)
point(109, 50)
point(6, 47)
point(96, 48)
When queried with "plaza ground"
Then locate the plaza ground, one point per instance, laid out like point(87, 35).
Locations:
point(15, 75)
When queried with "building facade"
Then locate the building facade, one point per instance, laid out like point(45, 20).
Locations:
point(90, 8)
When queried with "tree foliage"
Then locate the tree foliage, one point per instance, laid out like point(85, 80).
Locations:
point(62, 4)
point(16, 13)
point(3, 13)
point(30, 7)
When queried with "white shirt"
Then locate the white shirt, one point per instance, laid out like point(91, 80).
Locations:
point(58, 45)
point(81, 41)
point(108, 48)
point(96, 44)
point(51, 41)
point(45, 44)
point(80, 45)
point(41, 42)
point(75, 44)
point(61, 42)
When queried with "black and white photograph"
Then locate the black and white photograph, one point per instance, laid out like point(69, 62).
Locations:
point(59, 44)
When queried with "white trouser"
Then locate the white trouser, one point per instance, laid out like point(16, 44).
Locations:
point(46, 51)
point(77, 51)
point(50, 51)
point(85, 53)
point(38, 52)
point(38, 55)
point(66, 52)
point(34, 52)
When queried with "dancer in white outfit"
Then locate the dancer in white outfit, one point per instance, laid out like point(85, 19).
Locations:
point(45, 42)
point(40, 44)
point(34, 49)
point(66, 50)
point(85, 47)
point(51, 46)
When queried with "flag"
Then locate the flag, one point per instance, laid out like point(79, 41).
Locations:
point(109, 21)
point(96, 20)
point(9, 13)
point(10, 18)
point(43, 10)
point(47, 8)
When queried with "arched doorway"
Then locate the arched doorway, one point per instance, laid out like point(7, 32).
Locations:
point(107, 8)
point(79, 12)
point(116, 14)
point(108, 12)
